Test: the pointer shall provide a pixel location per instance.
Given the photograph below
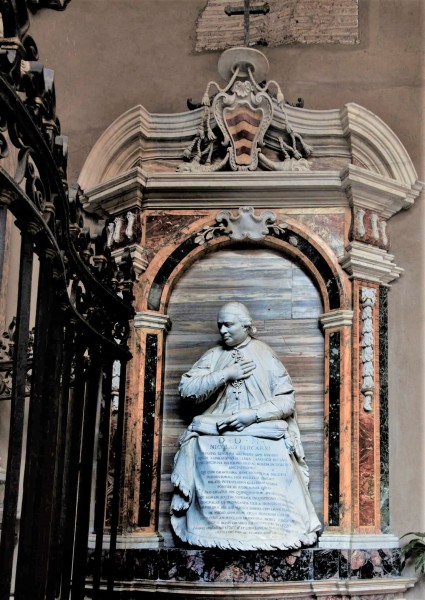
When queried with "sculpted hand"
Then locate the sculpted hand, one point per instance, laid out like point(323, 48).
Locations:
point(239, 370)
point(238, 420)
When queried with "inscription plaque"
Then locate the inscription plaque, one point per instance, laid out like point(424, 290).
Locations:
point(242, 484)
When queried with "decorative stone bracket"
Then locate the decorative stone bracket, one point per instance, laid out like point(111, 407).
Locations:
point(370, 228)
point(336, 319)
point(121, 229)
point(137, 255)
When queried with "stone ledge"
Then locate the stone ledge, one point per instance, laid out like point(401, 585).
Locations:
point(358, 541)
point(130, 542)
point(390, 589)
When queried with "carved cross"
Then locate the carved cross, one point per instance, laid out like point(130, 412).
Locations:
point(246, 11)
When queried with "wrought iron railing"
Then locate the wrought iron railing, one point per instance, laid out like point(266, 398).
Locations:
point(81, 329)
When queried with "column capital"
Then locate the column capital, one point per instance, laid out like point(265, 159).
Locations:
point(337, 318)
point(364, 261)
point(139, 261)
point(150, 320)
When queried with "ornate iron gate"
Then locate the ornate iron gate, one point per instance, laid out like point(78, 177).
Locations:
point(81, 329)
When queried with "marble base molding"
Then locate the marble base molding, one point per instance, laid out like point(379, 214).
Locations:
point(371, 590)
point(327, 541)
point(305, 574)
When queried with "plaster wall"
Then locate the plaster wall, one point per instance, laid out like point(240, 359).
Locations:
point(110, 56)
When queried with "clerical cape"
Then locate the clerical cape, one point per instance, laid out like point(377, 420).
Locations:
point(242, 490)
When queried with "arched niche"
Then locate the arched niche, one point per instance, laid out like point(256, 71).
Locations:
point(285, 305)
point(304, 254)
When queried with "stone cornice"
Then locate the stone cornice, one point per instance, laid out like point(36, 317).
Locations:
point(259, 189)
point(130, 541)
point(355, 186)
point(363, 261)
point(122, 192)
point(375, 146)
point(353, 132)
point(378, 193)
point(358, 541)
point(137, 136)
point(215, 190)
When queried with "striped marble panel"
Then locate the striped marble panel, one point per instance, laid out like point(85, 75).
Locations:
point(285, 306)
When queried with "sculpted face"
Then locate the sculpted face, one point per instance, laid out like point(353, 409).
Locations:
point(231, 328)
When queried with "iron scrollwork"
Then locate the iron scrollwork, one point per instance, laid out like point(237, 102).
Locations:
point(33, 164)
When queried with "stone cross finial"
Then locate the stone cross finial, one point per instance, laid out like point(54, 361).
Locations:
point(246, 11)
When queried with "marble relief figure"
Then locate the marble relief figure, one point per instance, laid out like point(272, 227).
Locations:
point(240, 478)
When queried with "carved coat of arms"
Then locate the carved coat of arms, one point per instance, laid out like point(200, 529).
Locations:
point(243, 117)
point(237, 117)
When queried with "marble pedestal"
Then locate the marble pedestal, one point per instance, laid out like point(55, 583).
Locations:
point(372, 574)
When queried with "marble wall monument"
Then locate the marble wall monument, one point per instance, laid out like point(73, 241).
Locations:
point(287, 210)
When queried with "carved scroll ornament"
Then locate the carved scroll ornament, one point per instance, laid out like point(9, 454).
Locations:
point(244, 225)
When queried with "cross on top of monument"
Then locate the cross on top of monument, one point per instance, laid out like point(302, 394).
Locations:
point(246, 11)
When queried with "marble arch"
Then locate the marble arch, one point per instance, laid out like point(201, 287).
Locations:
point(300, 244)
point(303, 246)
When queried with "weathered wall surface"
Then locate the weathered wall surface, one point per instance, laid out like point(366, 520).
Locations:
point(110, 56)
point(289, 21)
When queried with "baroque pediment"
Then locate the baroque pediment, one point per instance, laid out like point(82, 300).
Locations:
point(244, 135)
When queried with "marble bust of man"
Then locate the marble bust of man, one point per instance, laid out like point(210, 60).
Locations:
point(240, 478)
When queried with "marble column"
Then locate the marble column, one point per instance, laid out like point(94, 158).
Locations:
point(143, 424)
point(371, 270)
point(336, 325)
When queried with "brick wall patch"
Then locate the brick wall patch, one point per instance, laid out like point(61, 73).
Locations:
point(289, 21)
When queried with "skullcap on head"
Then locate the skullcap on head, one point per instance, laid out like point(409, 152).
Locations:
point(236, 308)
point(241, 311)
